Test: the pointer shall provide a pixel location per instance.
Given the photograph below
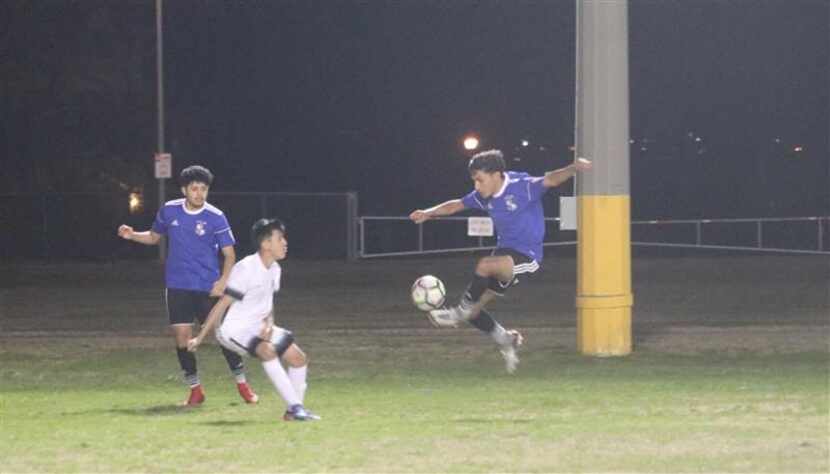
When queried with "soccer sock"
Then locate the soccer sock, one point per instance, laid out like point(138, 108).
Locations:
point(485, 323)
point(475, 289)
point(276, 372)
point(297, 376)
point(187, 361)
point(234, 361)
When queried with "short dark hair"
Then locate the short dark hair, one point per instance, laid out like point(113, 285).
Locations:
point(489, 161)
point(197, 174)
point(263, 228)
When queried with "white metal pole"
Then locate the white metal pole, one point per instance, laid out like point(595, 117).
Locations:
point(160, 109)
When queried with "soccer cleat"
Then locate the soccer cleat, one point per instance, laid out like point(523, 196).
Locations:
point(446, 317)
point(196, 398)
point(299, 413)
point(510, 350)
point(247, 393)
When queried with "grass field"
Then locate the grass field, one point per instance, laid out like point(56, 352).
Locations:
point(90, 381)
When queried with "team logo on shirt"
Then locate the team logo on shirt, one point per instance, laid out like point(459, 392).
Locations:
point(510, 202)
point(200, 228)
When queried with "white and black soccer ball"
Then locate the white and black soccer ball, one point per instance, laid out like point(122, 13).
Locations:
point(428, 293)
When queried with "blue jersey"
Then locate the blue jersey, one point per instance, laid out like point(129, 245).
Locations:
point(195, 239)
point(517, 213)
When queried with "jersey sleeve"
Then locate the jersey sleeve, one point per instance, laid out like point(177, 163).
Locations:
point(223, 233)
point(535, 186)
point(473, 201)
point(237, 283)
point(160, 223)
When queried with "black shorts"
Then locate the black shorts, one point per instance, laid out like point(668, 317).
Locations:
point(523, 266)
point(187, 306)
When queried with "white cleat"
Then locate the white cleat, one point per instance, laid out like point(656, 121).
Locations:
point(445, 317)
point(510, 351)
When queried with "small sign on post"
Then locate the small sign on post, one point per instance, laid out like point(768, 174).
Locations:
point(567, 213)
point(164, 166)
point(480, 227)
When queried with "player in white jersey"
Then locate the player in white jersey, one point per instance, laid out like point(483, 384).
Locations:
point(248, 327)
point(513, 201)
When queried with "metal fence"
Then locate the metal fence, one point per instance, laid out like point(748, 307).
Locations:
point(327, 225)
point(385, 236)
point(389, 236)
point(767, 234)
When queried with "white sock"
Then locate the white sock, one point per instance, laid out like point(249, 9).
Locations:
point(297, 376)
point(499, 334)
point(276, 372)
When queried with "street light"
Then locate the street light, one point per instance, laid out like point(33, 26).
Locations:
point(470, 142)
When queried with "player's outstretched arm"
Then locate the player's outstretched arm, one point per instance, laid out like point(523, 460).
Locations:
point(557, 177)
point(215, 313)
point(444, 209)
point(147, 237)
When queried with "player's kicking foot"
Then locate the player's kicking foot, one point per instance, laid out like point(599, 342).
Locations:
point(446, 317)
point(510, 350)
point(247, 393)
point(299, 413)
point(196, 398)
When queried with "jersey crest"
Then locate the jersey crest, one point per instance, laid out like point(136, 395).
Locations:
point(510, 202)
point(200, 228)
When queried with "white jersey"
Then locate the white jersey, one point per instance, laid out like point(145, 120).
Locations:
point(253, 286)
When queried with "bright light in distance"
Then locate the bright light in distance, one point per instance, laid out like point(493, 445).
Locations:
point(698, 139)
point(136, 202)
point(470, 143)
point(798, 148)
point(525, 143)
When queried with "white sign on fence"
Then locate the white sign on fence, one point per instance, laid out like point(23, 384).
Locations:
point(164, 165)
point(480, 227)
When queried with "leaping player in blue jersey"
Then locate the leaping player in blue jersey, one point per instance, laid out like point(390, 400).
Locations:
point(513, 201)
point(197, 231)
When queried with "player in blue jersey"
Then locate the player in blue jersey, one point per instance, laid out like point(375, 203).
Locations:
point(513, 201)
point(197, 232)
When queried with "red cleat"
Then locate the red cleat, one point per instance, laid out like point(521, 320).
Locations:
point(196, 398)
point(247, 393)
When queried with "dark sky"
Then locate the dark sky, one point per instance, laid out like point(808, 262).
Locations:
point(375, 96)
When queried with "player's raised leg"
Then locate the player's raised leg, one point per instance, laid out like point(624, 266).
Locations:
point(500, 268)
point(492, 274)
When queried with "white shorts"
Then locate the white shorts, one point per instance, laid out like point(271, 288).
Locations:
point(244, 339)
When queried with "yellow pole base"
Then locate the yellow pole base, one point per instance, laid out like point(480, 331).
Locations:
point(604, 332)
point(604, 296)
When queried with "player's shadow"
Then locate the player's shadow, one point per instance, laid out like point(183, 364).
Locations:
point(156, 410)
point(494, 421)
point(226, 423)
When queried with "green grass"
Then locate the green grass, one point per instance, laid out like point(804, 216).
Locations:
point(413, 404)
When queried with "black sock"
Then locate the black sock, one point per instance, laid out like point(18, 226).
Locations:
point(476, 288)
point(187, 361)
point(234, 361)
point(484, 322)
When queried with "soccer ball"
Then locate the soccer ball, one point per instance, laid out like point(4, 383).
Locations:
point(428, 293)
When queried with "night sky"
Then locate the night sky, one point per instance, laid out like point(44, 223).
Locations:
point(376, 96)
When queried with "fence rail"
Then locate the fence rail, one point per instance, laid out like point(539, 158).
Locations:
point(758, 223)
point(759, 227)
